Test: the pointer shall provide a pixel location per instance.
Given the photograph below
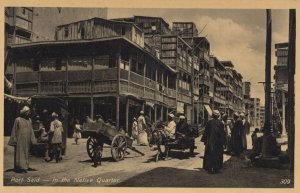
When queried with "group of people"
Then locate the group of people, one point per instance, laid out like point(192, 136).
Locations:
point(172, 130)
point(23, 137)
point(224, 135)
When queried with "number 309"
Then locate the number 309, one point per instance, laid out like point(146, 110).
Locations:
point(285, 181)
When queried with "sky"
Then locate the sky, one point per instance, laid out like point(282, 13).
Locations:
point(234, 34)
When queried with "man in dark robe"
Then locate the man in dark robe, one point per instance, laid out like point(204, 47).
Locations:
point(22, 136)
point(214, 139)
point(236, 135)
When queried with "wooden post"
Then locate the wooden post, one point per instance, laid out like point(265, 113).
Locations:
point(267, 146)
point(291, 86)
point(118, 60)
point(127, 116)
point(155, 113)
point(92, 88)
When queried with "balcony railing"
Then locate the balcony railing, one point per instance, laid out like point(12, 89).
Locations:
point(105, 81)
point(52, 87)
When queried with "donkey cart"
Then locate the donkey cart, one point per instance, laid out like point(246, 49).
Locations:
point(102, 133)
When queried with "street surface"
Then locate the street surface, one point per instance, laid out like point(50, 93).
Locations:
point(141, 171)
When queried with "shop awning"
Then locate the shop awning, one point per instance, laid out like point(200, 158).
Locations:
point(17, 99)
point(208, 109)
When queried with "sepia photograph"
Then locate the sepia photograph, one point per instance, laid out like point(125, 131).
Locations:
point(149, 97)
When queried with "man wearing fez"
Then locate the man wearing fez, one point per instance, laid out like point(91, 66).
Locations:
point(22, 137)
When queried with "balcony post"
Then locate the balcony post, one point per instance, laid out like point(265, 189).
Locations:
point(118, 61)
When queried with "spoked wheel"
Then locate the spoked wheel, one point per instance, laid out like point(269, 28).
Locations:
point(94, 147)
point(118, 147)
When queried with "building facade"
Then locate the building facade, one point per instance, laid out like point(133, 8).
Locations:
point(247, 96)
point(262, 116)
point(112, 75)
point(281, 85)
point(255, 113)
point(118, 67)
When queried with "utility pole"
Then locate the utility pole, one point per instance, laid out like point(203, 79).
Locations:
point(291, 85)
point(267, 139)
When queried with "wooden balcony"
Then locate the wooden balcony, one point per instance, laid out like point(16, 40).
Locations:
point(79, 87)
point(204, 56)
point(80, 75)
point(52, 87)
point(108, 74)
point(108, 86)
point(183, 98)
point(53, 76)
point(26, 77)
point(105, 81)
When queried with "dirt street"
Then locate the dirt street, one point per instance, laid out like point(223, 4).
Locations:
point(141, 171)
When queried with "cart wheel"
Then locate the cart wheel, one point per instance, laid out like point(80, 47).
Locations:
point(94, 147)
point(118, 147)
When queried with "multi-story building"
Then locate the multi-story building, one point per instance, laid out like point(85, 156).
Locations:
point(98, 66)
point(255, 113)
point(201, 50)
point(174, 51)
point(281, 83)
point(18, 25)
point(218, 85)
point(247, 96)
point(262, 116)
point(234, 88)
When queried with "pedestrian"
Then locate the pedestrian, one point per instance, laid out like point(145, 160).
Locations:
point(134, 129)
point(142, 138)
point(170, 129)
point(256, 145)
point(245, 131)
point(77, 131)
point(236, 135)
point(214, 139)
point(56, 129)
point(22, 137)
point(227, 130)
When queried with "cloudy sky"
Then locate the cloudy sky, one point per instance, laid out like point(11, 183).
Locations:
point(236, 35)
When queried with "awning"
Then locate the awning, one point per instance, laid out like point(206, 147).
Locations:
point(180, 107)
point(17, 99)
point(208, 109)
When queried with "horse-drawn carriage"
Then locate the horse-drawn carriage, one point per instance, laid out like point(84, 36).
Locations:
point(100, 133)
point(182, 142)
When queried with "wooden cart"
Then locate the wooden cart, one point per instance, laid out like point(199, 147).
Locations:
point(102, 133)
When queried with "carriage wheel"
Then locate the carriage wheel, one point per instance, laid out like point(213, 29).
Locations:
point(118, 147)
point(94, 147)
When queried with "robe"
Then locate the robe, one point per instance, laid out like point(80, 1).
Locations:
point(142, 138)
point(214, 138)
point(22, 136)
point(246, 130)
point(236, 137)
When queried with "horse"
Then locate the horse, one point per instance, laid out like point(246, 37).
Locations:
point(158, 137)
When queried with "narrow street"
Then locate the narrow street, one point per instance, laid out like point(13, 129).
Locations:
point(140, 171)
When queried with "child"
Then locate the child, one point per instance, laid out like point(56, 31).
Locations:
point(77, 131)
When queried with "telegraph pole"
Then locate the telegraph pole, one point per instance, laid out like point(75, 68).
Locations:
point(267, 145)
point(291, 85)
